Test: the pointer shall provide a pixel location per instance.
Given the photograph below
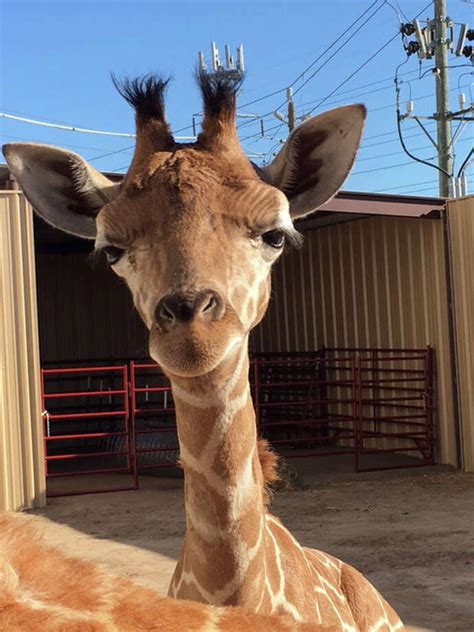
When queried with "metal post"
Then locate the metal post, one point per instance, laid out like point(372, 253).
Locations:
point(445, 158)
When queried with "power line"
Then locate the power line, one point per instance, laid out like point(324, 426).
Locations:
point(322, 55)
point(357, 70)
point(371, 110)
point(73, 146)
point(72, 128)
point(407, 186)
point(113, 153)
point(394, 153)
point(326, 61)
point(385, 142)
point(430, 188)
point(266, 96)
point(270, 129)
point(315, 61)
point(416, 191)
point(396, 140)
point(333, 43)
point(68, 128)
point(400, 164)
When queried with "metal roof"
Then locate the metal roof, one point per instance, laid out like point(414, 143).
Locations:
point(384, 204)
point(352, 205)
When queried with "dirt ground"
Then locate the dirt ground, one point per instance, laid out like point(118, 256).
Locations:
point(411, 533)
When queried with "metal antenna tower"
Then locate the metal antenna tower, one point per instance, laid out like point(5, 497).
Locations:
point(234, 69)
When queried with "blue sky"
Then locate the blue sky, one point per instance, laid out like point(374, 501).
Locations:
point(57, 57)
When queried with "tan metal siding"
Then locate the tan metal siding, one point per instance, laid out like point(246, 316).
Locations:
point(461, 224)
point(378, 282)
point(22, 480)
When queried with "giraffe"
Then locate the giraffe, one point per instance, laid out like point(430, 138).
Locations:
point(42, 590)
point(194, 230)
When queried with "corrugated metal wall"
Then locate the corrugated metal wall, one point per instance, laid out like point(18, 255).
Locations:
point(377, 282)
point(85, 312)
point(22, 480)
point(461, 224)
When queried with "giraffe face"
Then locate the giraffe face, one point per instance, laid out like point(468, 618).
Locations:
point(193, 229)
point(195, 241)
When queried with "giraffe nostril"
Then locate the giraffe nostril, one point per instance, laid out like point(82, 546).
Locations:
point(211, 303)
point(165, 313)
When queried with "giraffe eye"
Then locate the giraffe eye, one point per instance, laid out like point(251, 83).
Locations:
point(274, 238)
point(113, 254)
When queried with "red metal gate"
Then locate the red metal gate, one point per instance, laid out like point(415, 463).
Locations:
point(295, 409)
point(86, 428)
point(336, 401)
point(394, 405)
point(367, 403)
point(153, 419)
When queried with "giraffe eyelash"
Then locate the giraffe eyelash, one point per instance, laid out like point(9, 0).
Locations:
point(293, 238)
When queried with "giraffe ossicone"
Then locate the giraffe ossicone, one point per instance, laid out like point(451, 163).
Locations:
point(194, 230)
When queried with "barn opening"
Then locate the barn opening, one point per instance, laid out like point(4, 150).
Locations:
point(353, 357)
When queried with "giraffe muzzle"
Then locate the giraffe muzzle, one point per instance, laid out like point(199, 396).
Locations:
point(184, 307)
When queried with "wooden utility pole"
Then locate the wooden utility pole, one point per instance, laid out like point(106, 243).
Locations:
point(445, 155)
point(291, 109)
point(435, 40)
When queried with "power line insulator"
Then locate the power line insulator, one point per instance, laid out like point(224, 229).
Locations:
point(467, 51)
point(412, 47)
point(407, 29)
point(470, 34)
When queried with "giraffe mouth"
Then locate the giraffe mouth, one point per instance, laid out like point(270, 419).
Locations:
point(195, 349)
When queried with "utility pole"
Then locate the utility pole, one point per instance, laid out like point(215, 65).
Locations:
point(445, 155)
point(291, 116)
point(434, 39)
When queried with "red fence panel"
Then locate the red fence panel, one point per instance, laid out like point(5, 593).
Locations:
point(396, 406)
point(304, 406)
point(86, 428)
point(334, 401)
point(152, 410)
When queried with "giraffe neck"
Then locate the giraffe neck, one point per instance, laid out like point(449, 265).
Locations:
point(224, 500)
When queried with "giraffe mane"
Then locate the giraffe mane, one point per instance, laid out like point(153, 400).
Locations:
point(269, 464)
point(146, 94)
point(219, 93)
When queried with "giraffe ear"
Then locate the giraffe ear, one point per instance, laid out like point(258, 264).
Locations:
point(62, 187)
point(317, 158)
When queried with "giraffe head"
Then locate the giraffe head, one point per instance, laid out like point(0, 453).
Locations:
point(193, 228)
